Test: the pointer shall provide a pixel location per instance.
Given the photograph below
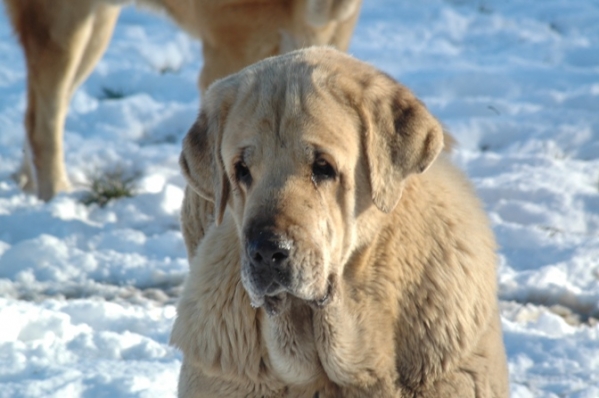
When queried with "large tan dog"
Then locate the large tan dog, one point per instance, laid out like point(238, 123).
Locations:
point(64, 39)
point(347, 256)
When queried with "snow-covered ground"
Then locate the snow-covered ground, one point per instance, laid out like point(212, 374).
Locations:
point(87, 294)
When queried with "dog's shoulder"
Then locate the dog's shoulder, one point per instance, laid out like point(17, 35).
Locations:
point(440, 253)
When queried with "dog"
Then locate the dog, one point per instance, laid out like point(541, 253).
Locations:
point(64, 39)
point(335, 250)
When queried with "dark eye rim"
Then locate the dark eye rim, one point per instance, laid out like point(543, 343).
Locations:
point(242, 173)
point(323, 170)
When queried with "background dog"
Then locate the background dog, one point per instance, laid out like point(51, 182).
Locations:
point(64, 39)
point(347, 256)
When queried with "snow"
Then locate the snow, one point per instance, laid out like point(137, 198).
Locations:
point(87, 294)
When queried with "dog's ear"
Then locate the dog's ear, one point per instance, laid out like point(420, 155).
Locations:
point(401, 137)
point(202, 164)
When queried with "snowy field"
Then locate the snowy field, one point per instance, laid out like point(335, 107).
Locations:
point(87, 294)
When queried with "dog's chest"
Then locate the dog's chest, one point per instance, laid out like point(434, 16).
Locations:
point(289, 339)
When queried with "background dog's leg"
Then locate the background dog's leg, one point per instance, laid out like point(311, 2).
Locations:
point(62, 41)
point(318, 23)
point(104, 20)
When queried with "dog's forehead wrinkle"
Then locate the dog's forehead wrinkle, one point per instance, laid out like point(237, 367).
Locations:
point(294, 110)
point(246, 89)
point(292, 100)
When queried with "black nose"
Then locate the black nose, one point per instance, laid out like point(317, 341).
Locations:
point(269, 258)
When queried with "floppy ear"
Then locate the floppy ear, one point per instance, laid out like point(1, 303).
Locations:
point(202, 165)
point(402, 138)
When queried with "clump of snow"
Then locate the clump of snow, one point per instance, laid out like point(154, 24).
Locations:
point(87, 293)
point(85, 347)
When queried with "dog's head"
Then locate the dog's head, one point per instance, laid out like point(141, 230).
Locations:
point(297, 148)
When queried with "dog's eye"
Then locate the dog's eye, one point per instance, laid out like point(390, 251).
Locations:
point(242, 173)
point(322, 170)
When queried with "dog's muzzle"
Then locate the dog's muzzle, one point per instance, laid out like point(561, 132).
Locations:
point(270, 272)
point(269, 265)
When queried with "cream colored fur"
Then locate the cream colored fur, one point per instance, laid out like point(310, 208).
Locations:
point(64, 39)
point(392, 289)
